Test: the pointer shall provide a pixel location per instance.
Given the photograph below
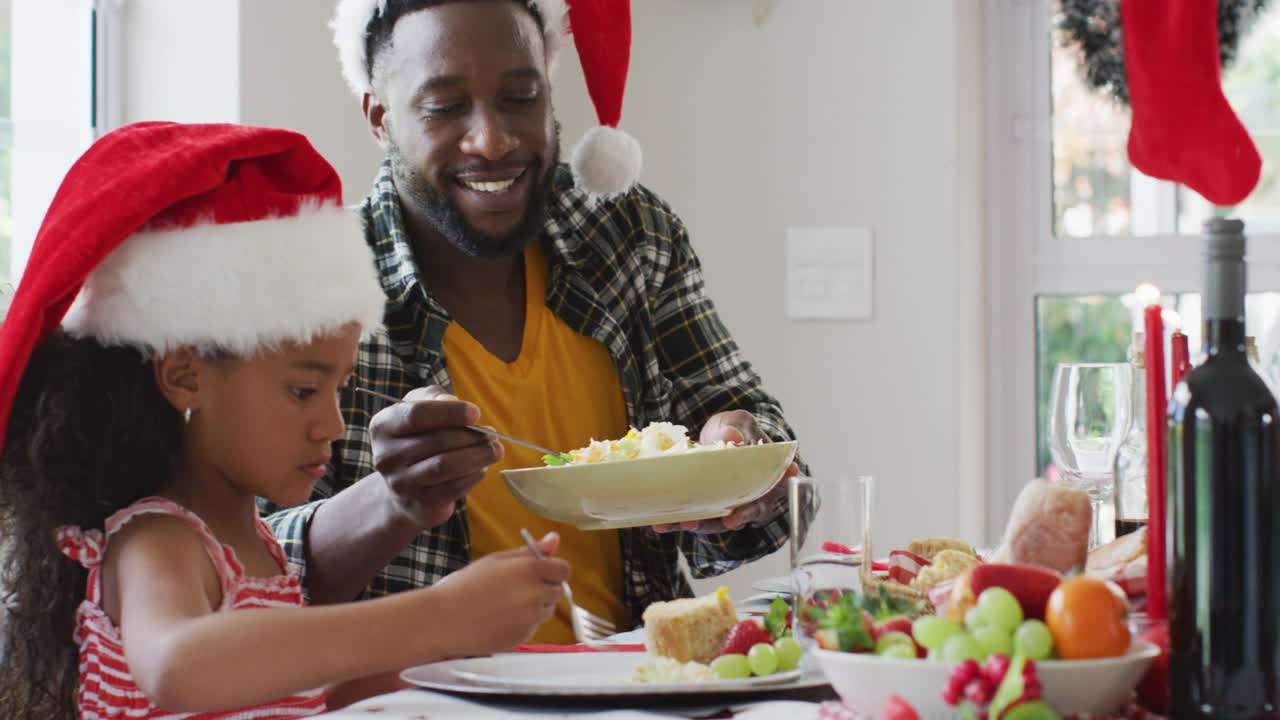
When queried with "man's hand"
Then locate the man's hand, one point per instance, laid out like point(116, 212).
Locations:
point(737, 426)
point(427, 458)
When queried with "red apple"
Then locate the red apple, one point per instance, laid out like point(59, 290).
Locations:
point(1030, 584)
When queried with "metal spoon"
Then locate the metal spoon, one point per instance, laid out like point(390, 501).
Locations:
point(563, 457)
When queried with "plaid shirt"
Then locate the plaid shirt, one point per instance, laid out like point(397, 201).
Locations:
point(622, 271)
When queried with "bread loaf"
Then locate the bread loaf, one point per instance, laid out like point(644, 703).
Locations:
point(1049, 527)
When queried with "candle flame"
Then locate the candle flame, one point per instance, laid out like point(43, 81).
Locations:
point(1147, 294)
point(1172, 319)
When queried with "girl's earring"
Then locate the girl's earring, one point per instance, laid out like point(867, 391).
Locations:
point(186, 416)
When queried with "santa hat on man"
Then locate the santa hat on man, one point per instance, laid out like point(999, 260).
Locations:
point(606, 161)
point(213, 236)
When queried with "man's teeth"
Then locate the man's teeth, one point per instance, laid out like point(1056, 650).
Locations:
point(489, 187)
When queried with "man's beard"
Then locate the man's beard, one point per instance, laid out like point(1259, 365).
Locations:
point(447, 219)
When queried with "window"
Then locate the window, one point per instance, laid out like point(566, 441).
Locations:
point(1073, 228)
point(6, 143)
point(51, 90)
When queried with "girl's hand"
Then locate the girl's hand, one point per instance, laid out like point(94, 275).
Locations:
point(498, 601)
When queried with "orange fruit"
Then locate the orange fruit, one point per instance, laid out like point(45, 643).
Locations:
point(1088, 619)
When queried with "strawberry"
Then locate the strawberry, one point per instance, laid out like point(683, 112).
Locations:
point(896, 708)
point(900, 623)
point(744, 636)
point(827, 639)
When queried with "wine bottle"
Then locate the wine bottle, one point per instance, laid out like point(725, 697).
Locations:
point(1223, 497)
point(1131, 458)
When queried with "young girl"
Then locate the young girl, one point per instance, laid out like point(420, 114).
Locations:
point(210, 293)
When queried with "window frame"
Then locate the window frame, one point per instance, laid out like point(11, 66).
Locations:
point(1019, 207)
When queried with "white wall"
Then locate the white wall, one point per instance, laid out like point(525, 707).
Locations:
point(755, 117)
point(289, 77)
point(179, 60)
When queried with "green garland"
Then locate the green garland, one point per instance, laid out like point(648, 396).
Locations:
point(1092, 29)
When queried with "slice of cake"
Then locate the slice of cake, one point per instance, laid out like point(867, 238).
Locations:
point(690, 628)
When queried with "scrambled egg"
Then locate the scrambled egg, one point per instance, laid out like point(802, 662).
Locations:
point(657, 439)
point(666, 670)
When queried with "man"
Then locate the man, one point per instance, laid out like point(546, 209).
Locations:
point(556, 316)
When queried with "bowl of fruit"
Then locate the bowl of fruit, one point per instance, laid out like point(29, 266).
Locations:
point(1016, 642)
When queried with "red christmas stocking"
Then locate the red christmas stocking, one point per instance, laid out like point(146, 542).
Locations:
point(1183, 129)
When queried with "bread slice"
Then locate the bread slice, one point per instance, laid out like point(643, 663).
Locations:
point(930, 547)
point(947, 564)
point(690, 628)
point(1119, 552)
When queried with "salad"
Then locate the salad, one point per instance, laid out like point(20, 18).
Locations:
point(656, 440)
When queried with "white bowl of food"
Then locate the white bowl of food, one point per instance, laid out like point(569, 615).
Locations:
point(654, 476)
point(864, 681)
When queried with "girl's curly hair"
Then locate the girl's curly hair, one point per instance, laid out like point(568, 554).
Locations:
point(89, 433)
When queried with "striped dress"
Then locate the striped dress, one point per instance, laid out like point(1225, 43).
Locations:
point(106, 688)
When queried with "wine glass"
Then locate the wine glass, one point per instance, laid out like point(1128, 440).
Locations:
point(1088, 417)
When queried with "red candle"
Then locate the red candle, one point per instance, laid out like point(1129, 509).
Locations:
point(1179, 357)
point(1157, 403)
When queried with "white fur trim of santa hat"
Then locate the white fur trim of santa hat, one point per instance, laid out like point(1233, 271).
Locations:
point(350, 27)
point(239, 287)
point(606, 161)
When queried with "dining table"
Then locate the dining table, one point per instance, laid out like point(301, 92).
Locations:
point(390, 697)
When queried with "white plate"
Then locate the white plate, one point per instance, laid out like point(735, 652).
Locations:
point(760, 603)
point(1071, 687)
point(652, 491)
point(583, 675)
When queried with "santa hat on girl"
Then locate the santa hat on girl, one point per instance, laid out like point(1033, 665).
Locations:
point(606, 161)
point(214, 236)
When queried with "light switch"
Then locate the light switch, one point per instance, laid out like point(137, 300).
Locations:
point(829, 273)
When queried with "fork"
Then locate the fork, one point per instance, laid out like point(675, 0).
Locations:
point(556, 456)
point(589, 629)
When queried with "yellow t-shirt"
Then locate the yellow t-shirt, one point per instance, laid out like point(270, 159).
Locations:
point(561, 392)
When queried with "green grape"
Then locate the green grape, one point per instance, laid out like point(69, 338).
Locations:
point(1033, 639)
point(999, 607)
point(763, 659)
point(973, 619)
point(731, 667)
point(992, 640)
point(898, 650)
point(961, 647)
point(788, 652)
point(932, 631)
point(894, 638)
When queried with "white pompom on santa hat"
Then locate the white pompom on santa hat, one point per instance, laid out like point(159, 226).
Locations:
point(165, 235)
point(606, 161)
